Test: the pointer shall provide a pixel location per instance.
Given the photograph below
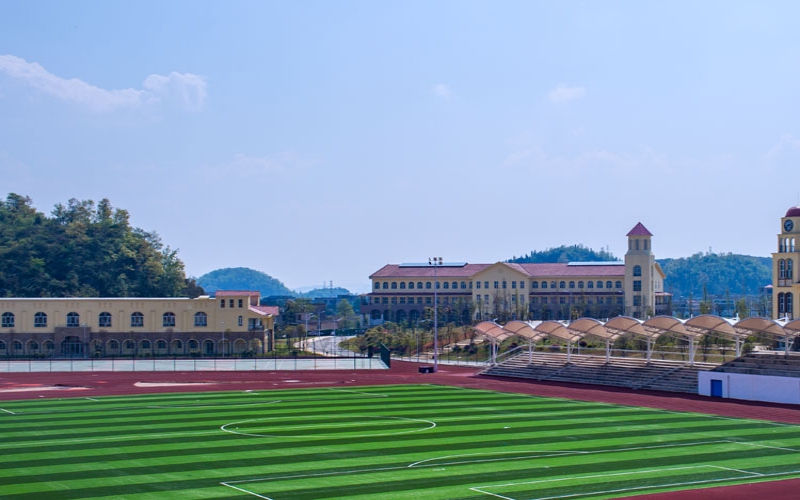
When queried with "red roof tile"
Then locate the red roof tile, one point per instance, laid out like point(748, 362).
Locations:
point(639, 230)
point(272, 310)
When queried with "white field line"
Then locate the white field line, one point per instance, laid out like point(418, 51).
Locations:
point(746, 474)
point(245, 491)
point(766, 446)
point(313, 428)
point(654, 486)
point(110, 439)
point(8, 411)
point(368, 394)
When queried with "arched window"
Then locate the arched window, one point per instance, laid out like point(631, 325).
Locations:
point(48, 345)
point(402, 285)
point(781, 269)
point(129, 345)
point(113, 345)
point(33, 345)
point(40, 320)
point(385, 285)
point(137, 319)
point(410, 285)
point(446, 285)
point(608, 284)
point(193, 344)
point(534, 284)
point(789, 303)
point(377, 285)
point(73, 319)
point(168, 319)
point(580, 284)
point(562, 284)
point(590, 284)
point(8, 320)
point(145, 344)
point(572, 284)
point(618, 284)
point(637, 270)
point(419, 285)
point(16, 345)
point(200, 319)
point(104, 320)
point(161, 344)
point(2, 346)
point(789, 268)
point(394, 285)
point(599, 284)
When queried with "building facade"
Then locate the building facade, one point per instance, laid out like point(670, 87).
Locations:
point(477, 292)
point(230, 323)
point(785, 286)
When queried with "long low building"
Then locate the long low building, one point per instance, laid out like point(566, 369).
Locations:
point(467, 292)
point(230, 323)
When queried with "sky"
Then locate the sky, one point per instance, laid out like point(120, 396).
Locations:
point(317, 141)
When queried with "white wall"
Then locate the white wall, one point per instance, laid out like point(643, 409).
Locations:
point(752, 387)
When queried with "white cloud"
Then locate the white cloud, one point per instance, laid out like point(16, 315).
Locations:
point(788, 142)
point(563, 93)
point(442, 90)
point(187, 89)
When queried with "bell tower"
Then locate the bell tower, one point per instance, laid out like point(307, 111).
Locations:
point(640, 269)
point(785, 285)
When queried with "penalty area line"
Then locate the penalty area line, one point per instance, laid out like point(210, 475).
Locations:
point(245, 491)
point(8, 411)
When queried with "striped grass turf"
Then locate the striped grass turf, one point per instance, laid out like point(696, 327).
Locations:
point(385, 442)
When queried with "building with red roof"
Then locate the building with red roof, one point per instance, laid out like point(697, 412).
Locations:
point(467, 292)
point(785, 287)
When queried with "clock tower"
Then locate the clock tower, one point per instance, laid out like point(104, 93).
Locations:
point(785, 282)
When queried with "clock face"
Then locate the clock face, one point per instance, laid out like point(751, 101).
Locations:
point(788, 225)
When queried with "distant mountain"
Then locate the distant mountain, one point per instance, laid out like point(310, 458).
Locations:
point(323, 293)
point(721, 274)
point(574, 253)
point(242, 278)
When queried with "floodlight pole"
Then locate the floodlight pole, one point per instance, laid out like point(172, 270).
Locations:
point(435, 262)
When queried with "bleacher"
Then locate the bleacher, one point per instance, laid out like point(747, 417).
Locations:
point(633, 373)
point(764, 363)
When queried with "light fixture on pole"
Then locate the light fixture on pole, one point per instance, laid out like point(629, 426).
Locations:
point(435, 262)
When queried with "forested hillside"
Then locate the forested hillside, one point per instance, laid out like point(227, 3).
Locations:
point(83, 250)
point(242, 278)
point(720, 274)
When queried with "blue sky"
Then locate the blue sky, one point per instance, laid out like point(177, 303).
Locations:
point(317, 141)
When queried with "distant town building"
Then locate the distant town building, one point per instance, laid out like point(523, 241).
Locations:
point(467, 292)
point(230, 323)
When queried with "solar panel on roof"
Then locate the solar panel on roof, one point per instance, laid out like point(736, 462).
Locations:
point(425, 264)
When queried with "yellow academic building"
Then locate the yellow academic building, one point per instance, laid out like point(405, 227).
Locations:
point(785, 287)
point(466, 292)
point(230, 323)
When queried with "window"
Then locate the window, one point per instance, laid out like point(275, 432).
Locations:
point(113, 345)
point(129, 345)
point(637, 244)
point(2, 346)
point(552, 284)
point(572, 284)
point(637, 300)
point(522, 285)
point(168, 319)
point(637, 270)
point(40, 320)
point(161, 344)
point(580, 284)
point(104, 320)
point(145, 344)
point(438, 285)
point(8, 320)
point(782, 267)
point(17, 345)
point(600, 284)
point(402, 285)
point(410, 285)
point(200, 319)
point(394, 300)
point(192, 344)
point(562, 300)
point(789, 268)
point(419, 285)
point(73, 319)
point(137, 319)
point(241, 303)
point(222, 304)
point(394, 285)
point(427, 300)
point(33, 345)
point(446, 285)
point(486, 285)
point(590, 284)
point(385, 285)
point(534, 284)
point(637, 285)
point(505, 284)
point(385, 300)
point(478, 285)
point(403, 300)
point(544, 284)
point(496, 285)
point(377, 285)
point(562, 284)
point(463, 285)
point(617, 284)
point(178, 344)
point(428, 285)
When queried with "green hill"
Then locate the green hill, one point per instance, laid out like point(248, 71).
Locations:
point(242, 278)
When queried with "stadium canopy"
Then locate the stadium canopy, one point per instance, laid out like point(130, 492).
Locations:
point(669, 325)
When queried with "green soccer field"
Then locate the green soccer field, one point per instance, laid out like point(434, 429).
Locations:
point(381, 442)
